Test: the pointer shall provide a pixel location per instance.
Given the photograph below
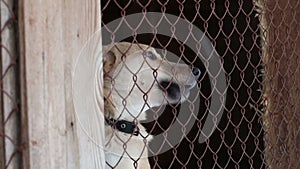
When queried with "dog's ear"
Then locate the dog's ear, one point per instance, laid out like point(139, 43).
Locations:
point(113, 53)
point(109, 60)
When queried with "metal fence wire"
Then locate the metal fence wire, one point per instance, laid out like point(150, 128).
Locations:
point(10, 146)
point(257, 44)
point(234, 29)
point(281, 30)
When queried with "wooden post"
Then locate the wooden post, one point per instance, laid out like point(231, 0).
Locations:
point(280, 29)
point(52, 34)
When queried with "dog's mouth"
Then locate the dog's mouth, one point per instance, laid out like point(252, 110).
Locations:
point(171, 89)
point(174, 92)
point(190, 86)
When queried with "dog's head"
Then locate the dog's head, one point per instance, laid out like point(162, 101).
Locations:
point(137, 78)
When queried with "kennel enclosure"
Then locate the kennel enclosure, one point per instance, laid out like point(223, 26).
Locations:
point(257, 41)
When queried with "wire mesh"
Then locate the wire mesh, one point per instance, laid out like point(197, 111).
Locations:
point(233, 28)
point(10, 147)
point(248, 135)
point(250, 38)
point(280, 29)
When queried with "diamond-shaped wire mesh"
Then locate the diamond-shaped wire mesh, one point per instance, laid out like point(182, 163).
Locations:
point(258, 46)
point(281, 31)
point(233, 29)
point(10, 148)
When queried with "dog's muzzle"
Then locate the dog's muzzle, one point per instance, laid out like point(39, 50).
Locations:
point(174, 90)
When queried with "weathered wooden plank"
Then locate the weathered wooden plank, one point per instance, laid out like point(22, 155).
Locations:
point(89, 18)
point(88, 113)
point(53, 33)
point(44, 77)
point(9, 89)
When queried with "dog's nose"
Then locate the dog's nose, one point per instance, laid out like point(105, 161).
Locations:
point(196, 72)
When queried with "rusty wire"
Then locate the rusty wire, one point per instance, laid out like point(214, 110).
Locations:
point(280, 28)
point(233, 28)
point(10, 146)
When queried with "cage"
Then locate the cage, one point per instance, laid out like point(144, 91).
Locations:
point(250, 46)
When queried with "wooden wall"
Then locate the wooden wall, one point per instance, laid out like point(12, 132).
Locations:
point(52, 34)
point(280, 29)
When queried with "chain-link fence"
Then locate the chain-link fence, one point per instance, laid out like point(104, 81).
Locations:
point(226, 84)
point(246, 51)
point(280, 22)
point(10, 146)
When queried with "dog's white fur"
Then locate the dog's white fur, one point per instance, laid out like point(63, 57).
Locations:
point(132, 77)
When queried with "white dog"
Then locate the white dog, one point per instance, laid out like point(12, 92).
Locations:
point(137, 78)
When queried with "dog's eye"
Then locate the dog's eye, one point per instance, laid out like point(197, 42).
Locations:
point(150, 55)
